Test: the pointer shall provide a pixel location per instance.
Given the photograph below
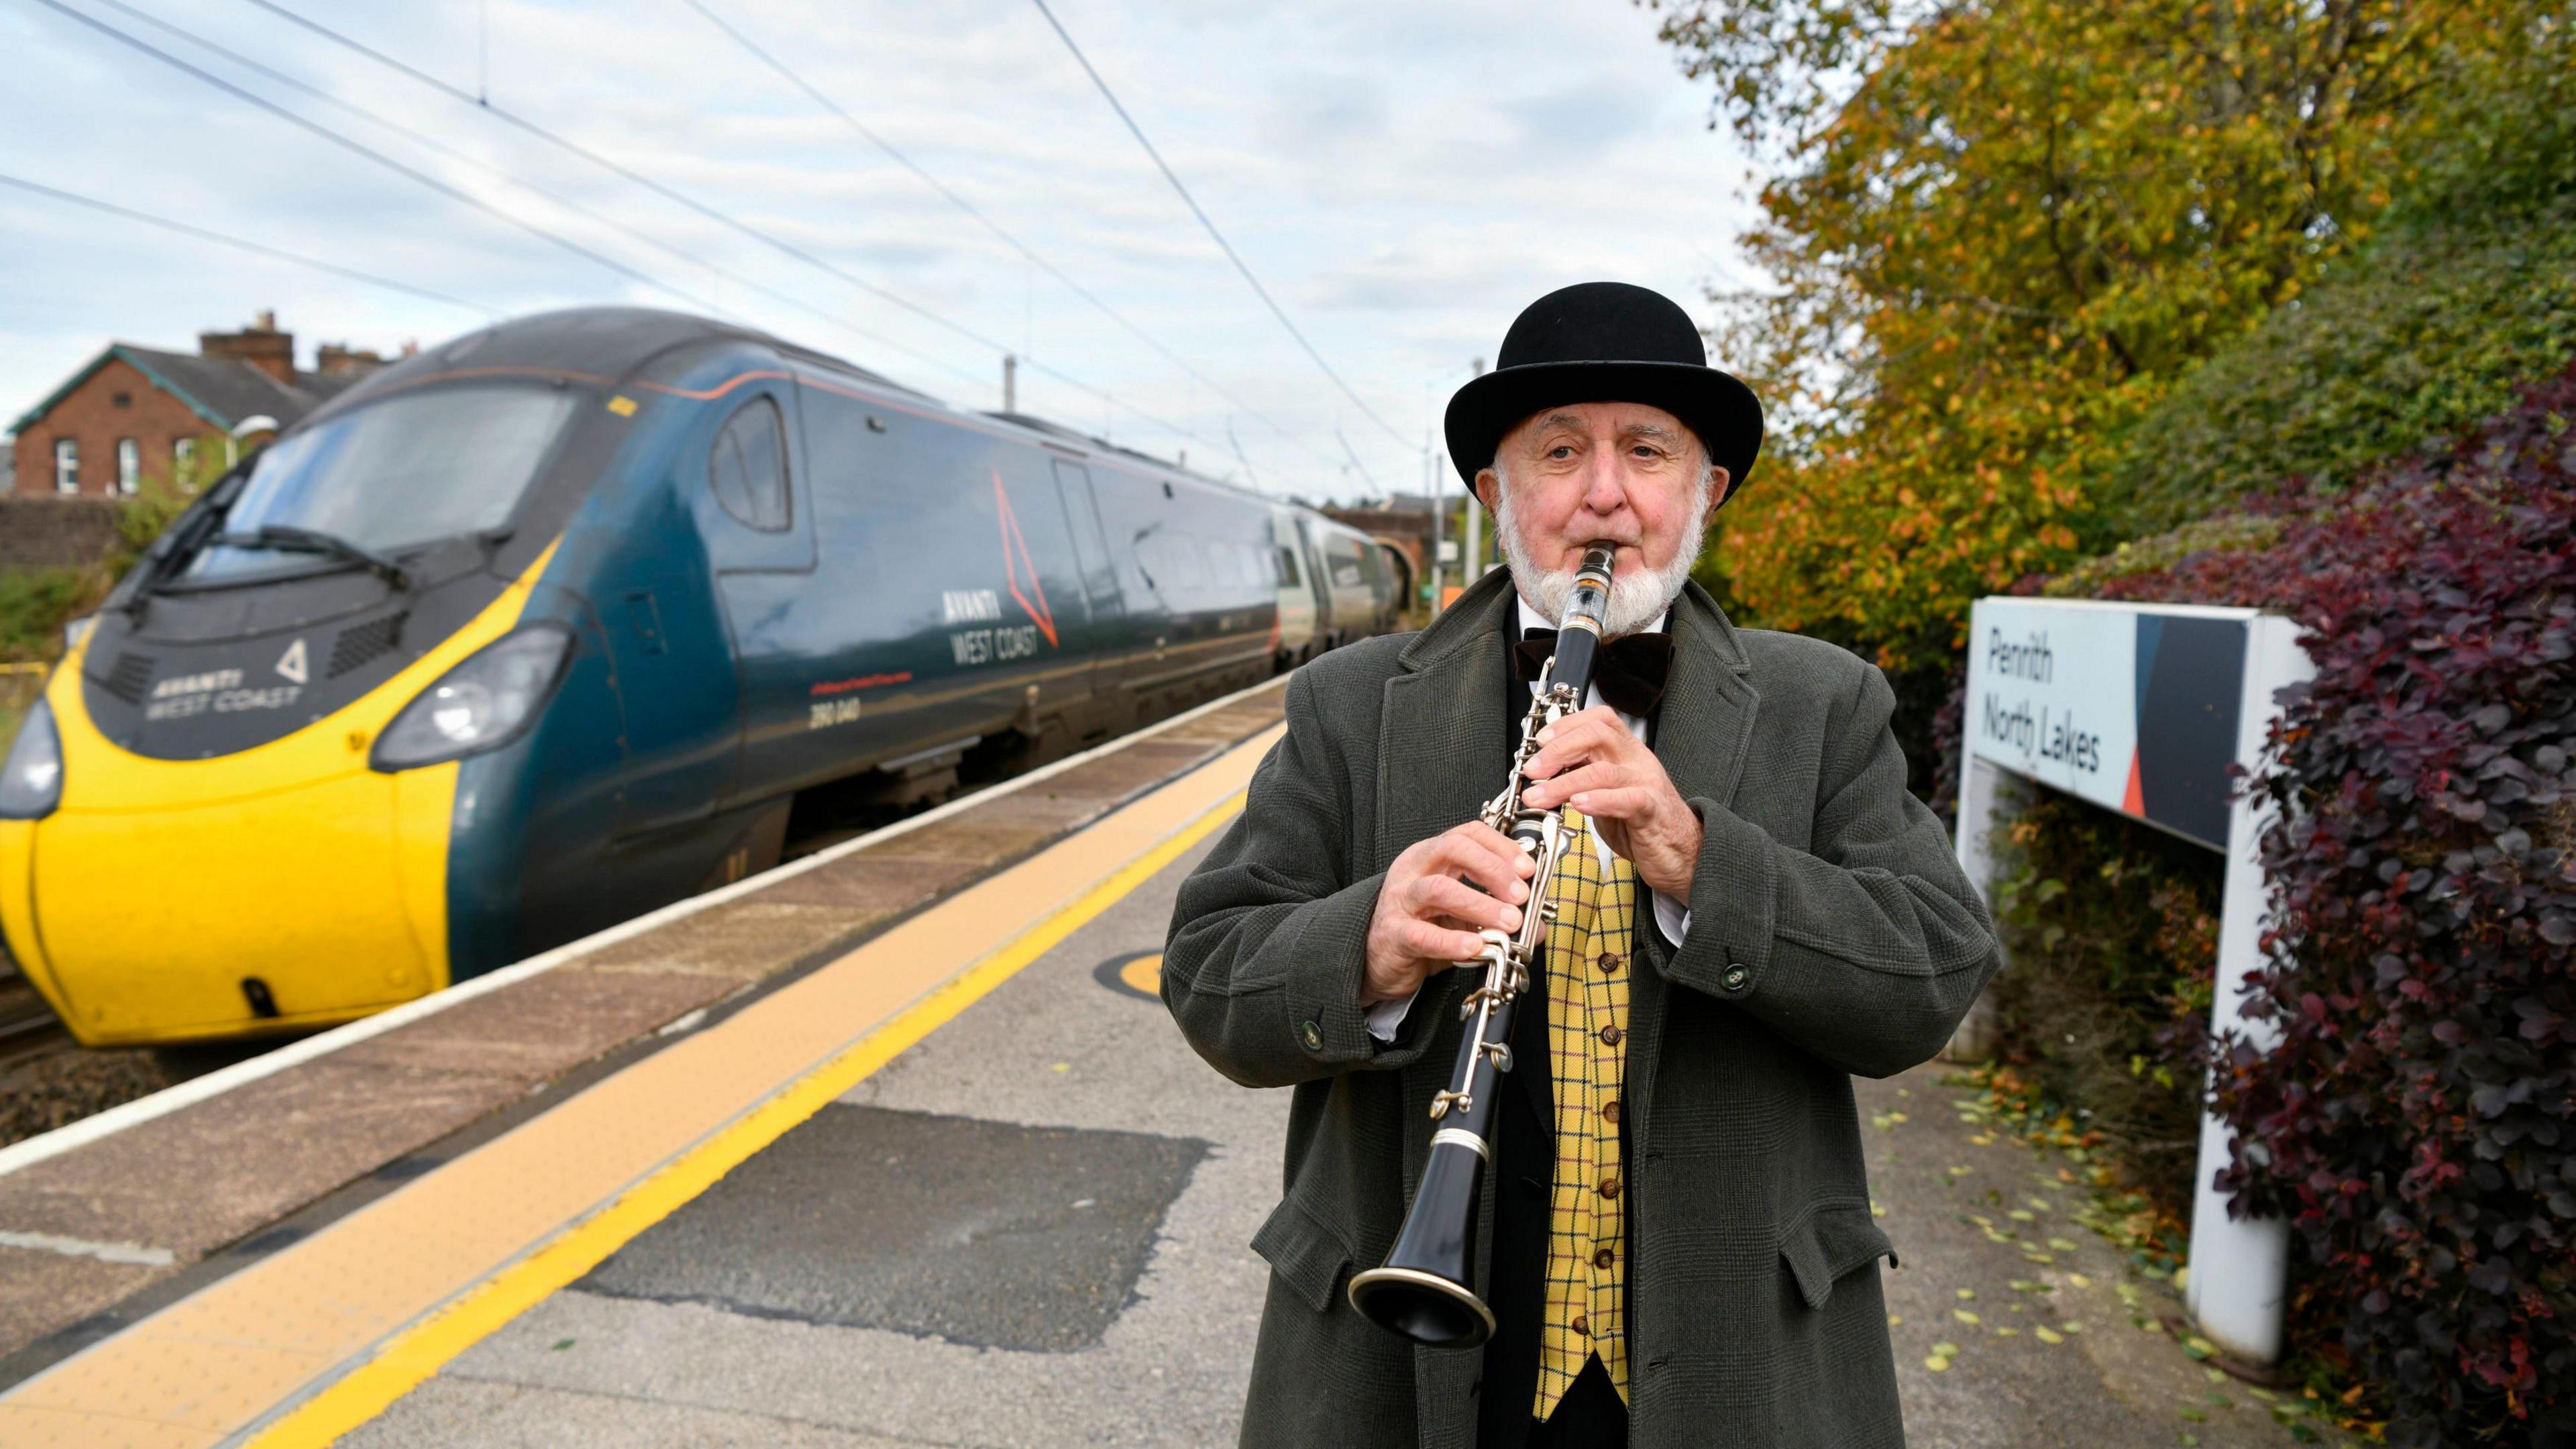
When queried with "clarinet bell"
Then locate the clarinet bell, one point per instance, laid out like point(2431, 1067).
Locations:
point(1421, 1292)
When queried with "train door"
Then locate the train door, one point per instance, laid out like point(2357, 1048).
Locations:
point(1297, 620)
point(1106, 643)
point(730, 528)
point(1319, 583)
point(757, 517)
point(1135, 517)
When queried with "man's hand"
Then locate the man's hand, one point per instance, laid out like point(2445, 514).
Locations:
point(1427, 917)
point(1590, 761)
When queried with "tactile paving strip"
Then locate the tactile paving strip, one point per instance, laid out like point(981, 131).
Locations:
point(251, 1346)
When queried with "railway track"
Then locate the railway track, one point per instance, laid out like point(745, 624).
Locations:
point(47, 1080)
point(28, 1026)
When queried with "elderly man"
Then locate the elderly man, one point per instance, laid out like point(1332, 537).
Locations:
point(1678, 1247)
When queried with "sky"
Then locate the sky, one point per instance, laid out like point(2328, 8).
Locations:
point(1401, 175)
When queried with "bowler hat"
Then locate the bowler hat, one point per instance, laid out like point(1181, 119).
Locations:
point(1605, 342)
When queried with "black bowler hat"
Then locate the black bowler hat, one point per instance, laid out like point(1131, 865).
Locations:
point(1605, 342)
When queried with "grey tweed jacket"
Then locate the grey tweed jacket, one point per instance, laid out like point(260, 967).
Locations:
point(1831, 933)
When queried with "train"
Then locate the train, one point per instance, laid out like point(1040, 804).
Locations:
point(578, 615)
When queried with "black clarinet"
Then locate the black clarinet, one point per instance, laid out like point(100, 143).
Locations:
point(1422, 1290)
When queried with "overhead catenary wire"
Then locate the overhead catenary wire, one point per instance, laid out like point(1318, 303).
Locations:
point(128, 213)
point(1365, 475)
point(360, 148)
point(1200, 212)
point(465, 158)
point(949, 194)
point(712, 213)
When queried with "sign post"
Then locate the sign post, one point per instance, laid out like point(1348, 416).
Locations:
point(2141, 708)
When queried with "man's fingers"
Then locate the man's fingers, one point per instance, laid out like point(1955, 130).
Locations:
point(1478, 834)
point(1617, 803)
point(1595, 732)
point(1485, 856)
point(1598, 775)
point(1428, 942)
point(1439, 895)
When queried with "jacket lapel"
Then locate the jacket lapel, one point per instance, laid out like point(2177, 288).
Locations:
point(1440, 756)
point(1702, 732)
point(1439, 759)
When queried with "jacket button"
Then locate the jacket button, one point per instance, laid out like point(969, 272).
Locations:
point(1609, 962)
point(1312, 1035)
point(1610, 1111)
point(1735, 978)
point(1610, 1036)
point(1610, 1186)
point(1603, 1257)
point(1581, 1325)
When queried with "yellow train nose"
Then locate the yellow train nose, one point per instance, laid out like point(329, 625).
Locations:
point(281, 887)
point(286, 909)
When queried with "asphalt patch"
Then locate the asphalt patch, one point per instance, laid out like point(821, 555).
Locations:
point(980, 1232)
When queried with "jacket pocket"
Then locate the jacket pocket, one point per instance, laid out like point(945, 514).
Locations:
point(1307, 1256)
point(1832, 1239)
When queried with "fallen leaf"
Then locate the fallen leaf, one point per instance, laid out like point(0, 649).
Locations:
point(1964, 1316)
point(2048, 1335)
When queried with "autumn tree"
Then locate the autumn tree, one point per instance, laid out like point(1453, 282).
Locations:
point(1999, 233)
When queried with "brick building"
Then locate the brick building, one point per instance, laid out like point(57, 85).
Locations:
point(132, 413)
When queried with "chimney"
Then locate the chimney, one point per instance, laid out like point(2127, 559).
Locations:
point(260, 344)
point(339, 359)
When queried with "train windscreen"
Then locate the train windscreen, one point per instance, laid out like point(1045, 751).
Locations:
point(413, 469)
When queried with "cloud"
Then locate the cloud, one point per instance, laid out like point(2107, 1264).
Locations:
point(1402, 178)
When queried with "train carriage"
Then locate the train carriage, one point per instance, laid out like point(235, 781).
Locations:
point(576, 616)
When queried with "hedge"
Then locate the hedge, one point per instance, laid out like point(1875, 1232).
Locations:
point(2417, 1121)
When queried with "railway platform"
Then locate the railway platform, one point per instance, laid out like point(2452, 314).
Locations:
point(893, 1147)
point(281, 1251)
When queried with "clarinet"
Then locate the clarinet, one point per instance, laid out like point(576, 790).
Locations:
point(1422, 1289)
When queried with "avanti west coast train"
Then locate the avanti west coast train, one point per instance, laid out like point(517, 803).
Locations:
point(556, 623)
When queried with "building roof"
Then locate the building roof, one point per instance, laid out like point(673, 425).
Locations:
point(220, 390)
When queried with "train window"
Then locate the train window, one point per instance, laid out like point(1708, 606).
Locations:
point(1349, 570)
point(747, 468)
point(1290, 576)
point(392, 475)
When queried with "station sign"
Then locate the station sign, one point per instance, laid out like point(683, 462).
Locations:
point(2134, 707)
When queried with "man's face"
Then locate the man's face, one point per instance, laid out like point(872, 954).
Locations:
point(1622, 473)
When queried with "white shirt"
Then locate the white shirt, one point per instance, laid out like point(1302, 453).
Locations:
point(1672, 917)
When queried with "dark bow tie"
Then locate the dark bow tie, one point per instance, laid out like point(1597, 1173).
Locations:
point(1629, 672)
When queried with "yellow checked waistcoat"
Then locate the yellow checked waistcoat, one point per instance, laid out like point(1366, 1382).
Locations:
point(1587, 1023)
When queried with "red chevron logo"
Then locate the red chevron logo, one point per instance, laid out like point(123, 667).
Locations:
point(1015, 558)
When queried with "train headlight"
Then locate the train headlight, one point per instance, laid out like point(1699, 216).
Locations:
point(483, 702)
point(31, 782)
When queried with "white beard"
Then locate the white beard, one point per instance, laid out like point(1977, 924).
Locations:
point(1635, 599)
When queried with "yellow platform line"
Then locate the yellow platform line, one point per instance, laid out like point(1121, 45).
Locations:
point(320, 1337)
